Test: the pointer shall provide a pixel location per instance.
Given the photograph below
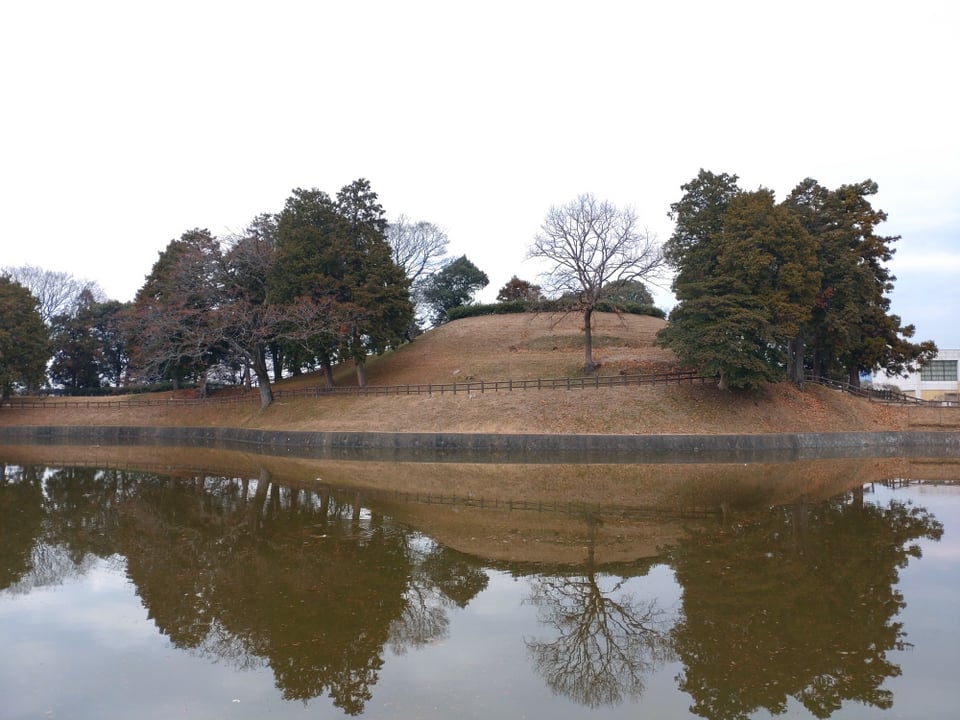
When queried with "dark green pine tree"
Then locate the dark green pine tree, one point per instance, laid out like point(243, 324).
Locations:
point(851, 329)
point(24, 339)
point(452, 286)
point(373, 282)
point(692, 249)
point(305, 270)
point(336, 252)
point(737, 320)
point(78, 358)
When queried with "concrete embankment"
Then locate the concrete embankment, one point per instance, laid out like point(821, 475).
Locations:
point(487, 447)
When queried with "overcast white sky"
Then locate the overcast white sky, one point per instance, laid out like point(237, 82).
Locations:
point(126, 123)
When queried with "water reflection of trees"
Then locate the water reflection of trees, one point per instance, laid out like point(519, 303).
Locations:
point(308, 583)
point(607, 641)
point(798, 604)
point(21, 510)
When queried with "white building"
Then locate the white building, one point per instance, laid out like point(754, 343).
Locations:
point(937, 380)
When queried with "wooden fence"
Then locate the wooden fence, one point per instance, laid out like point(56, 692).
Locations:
point(473, 387)
point(879, 394)
point(470, 388)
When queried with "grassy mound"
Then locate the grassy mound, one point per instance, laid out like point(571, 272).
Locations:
point(521, 346)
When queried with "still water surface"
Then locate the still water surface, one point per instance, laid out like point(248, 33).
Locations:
point(138, 594)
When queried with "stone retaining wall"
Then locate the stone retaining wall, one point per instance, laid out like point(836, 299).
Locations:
point(488, 447)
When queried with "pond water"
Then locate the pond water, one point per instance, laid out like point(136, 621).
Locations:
point(134, 590)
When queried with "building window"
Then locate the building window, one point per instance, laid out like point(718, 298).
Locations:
point(939, 371)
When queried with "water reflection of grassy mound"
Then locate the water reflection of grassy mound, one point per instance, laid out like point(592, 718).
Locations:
point(555, 514)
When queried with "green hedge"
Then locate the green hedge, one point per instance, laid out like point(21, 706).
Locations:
point(522, 306)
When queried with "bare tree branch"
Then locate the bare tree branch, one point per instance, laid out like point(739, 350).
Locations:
point(592, 244)
point(57, 292)
point(418, 247)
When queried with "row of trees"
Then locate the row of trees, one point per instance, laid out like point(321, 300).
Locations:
point(309, 285)
point(765, 288)
point(323, 281)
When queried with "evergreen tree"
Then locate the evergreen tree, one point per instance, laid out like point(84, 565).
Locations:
point(451, 287)
point(851, 329)
point(629, 292)
point(106, 322)
point(373, 282)
point(740, 318)
point(78, 359)
point(335, 253)
point(24, 340)
point(744, 279)
point(173, 319)
point(304, 272)
point(691, 250)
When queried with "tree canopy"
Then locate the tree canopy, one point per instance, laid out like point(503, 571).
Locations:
point(57, 292)
point(335, 253)
point(850, 329)
point(89, 345)
point(418, 248)
point(173, 318)
point(516, 290)
point(24, 340)
point(454, 285)
point(763, 286)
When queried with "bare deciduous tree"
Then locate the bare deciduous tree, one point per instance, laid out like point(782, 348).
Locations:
point(418, 247)
point(593, 243)
point(56, 292)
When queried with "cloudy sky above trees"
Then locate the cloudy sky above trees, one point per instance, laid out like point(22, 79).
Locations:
point(126, 124)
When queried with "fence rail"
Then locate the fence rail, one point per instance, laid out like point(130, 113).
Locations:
point(470, 388)
point(879, 394)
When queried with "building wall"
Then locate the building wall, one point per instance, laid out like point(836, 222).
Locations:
point(916, 386)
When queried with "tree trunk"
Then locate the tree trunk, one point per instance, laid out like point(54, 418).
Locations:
point(276, 356)
point(256, 507)
point(263, 377)
point(361, 373)
point(797, 348)
point(818, 365)
point(588, 366)
point(202, 391)
point(854, 377)
point(327, 372)
point(722, 382)
point(266, 392)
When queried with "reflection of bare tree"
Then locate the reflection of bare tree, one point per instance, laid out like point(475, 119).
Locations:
point(607, 641)
point(439, 579)
point(424, 619)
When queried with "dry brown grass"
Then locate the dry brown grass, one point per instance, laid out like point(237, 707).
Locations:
point(615, 512)
point(522, 347)
point(518, 347)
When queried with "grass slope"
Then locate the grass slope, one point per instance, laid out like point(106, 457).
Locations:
point(525, 346)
